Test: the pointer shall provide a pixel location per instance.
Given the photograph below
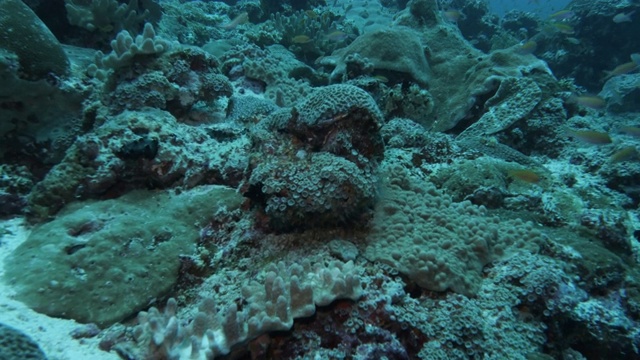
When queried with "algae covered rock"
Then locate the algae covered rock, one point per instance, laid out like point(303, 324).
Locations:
point(621, 93)
point(514, 99)
point(462, 85)
point(22, 33)
point(101, 262)
point(134, 149)
point(391, 51)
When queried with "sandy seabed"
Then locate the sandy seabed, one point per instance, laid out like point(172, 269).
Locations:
point(51, 334)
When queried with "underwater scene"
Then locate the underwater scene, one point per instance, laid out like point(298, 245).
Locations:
point(319, 179)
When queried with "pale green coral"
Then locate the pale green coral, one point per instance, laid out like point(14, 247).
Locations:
point(111, 258)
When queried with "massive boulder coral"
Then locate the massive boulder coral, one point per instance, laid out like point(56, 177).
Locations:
point(340, 119)
point(314, 164)
point(39, 103)
point(514, 99)
point(24, 34)
point(462, 85)
point(621, 93)
point(394, 52)
point(111, 258)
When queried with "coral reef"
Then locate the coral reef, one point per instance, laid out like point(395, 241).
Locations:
point(413, 231)
point(147, 149)
point(372, 179)
point(105, 15)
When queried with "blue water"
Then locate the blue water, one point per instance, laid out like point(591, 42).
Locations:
point(542, 7)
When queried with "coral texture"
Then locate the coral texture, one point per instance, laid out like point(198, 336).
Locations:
point(16, 345)
point(395, 51)
point(285, 293)
point(439, 244)
point(321, 168)
point(103, 267)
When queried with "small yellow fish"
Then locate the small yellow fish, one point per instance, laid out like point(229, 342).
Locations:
point(311, 14)
point(590, 101)
point(525, 175)
point(527, 48)
point(562, 15)
point(625, 154)
point(622, 17)
point(242, 18)
point(563, 28)
point(573, 40)
point(630, 130)
point(621, 69)
point(452, 15)
point(301, 39)
point(590, 136)
point(337, 36)
point(381, 78)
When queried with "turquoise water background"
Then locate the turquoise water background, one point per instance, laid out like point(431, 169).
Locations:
point(542, 7)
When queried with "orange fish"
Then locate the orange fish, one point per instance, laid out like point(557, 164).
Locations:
point(562, 15)
point(452, 15)
point(623, 17)
point(337, 36)
point(563, 28)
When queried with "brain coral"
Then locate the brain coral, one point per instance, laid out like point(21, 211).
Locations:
point(396, 50)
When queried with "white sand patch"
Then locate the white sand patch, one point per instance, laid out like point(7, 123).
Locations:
point(50, 333)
